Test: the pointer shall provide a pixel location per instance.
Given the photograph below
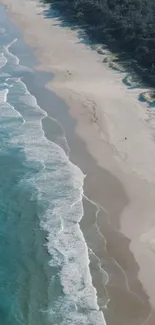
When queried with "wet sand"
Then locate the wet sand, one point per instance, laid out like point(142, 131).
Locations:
point(119, 204)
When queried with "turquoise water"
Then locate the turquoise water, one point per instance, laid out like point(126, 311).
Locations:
point(44, 273)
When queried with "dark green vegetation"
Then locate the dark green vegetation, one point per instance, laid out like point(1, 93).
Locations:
point(126, 26)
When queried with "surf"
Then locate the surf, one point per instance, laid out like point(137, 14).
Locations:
point(57, 186)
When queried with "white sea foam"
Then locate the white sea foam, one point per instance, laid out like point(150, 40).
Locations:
point(2, 30)
point(13, 59)
point(3, 60)
point(4, 75)
point(3, 95)
point(9, 117)
point(60, 190)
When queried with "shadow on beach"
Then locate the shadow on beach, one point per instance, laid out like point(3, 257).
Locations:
point(133, 75)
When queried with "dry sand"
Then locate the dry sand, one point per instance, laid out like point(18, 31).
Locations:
point(120, 172)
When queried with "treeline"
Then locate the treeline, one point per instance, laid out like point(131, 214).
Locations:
point(127, 26)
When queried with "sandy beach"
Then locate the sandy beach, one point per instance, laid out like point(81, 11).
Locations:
point(111, 137)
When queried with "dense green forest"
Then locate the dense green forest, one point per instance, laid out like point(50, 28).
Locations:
point(126, 26)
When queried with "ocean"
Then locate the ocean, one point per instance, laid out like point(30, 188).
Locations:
point(44, 263)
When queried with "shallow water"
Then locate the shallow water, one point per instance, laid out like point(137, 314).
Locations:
point(42, 280)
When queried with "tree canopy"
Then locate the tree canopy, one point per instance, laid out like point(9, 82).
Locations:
point(125, 25)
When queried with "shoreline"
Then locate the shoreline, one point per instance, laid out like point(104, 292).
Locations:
point(94, 183)
point(88, 181)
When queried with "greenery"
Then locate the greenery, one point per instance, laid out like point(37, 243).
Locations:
point(126, 26)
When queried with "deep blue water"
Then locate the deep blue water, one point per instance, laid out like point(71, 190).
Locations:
point(44, 273)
